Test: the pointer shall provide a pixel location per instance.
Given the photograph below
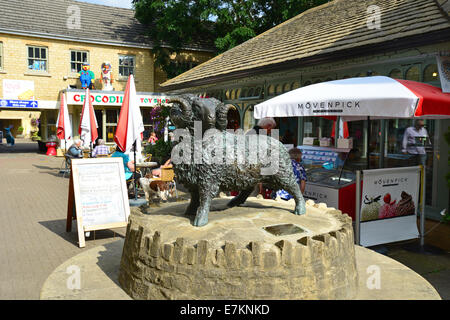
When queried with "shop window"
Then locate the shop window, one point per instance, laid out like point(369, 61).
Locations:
point(227, 94)
point(51, 123)
point(77, 58)
point(279, 89)
point(1, 55)
point(147, 120)
point(286, 87)
point(37, 58)
point(249, 120)
point(238, 93)
point(413, 73)
point(250, 92)
point(271, 90)
point(295, 85)
point(126, 65)
point(112, 117)
point(232, 97)
point(430, 73)
point(396, 74)
point(258, 92)
point(243, 93)
point(307, 83)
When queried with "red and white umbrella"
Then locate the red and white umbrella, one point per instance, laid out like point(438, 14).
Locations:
point(130, 126)
point(64, 127)
point(358, 98)
point(88, 122)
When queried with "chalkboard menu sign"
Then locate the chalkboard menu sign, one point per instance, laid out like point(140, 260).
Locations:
point(98, 189)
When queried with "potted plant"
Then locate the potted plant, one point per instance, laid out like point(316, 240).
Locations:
point(160, 151)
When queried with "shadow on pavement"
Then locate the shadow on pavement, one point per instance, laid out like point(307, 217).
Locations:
point(59, 227)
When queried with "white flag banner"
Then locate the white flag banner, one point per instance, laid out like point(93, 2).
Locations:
point(390, 200)
point(443, 63)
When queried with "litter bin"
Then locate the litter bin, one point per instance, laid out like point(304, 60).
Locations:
point(51, 148)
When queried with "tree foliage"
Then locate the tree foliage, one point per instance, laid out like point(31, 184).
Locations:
point(173, 24)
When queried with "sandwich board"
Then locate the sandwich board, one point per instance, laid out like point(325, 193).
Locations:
point(98, 197)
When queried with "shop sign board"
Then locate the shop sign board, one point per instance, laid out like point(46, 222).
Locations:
point(18, 89)
point(98, 190)
point(389, 203)
point(7, 103)
point(113, 99)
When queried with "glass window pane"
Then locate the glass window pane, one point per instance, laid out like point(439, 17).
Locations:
point(413, 74)
point(36, 53)
point(396, 74)
point(30, 52)
point(73, 67)
point(79, 56)
point(84, 57)
point(44, 53)
point(430, 73)
point(30, 63)
point(72, 55)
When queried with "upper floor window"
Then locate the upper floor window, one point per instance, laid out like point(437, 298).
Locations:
point(37, 58)
point(77, 58)
point(1, 55)
point(126, 65)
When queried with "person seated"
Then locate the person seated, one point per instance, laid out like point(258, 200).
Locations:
point(153, 138)
point(101, 148)
point(128, 166)
point(75, 150)
point(157, 172)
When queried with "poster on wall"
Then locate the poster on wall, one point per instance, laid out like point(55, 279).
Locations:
point(18, 89)
point(443, 63)
point(389, 204)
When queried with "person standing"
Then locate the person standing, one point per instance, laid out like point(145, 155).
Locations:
point(414, 140)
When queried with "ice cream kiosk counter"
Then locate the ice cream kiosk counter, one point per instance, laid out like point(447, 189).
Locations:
point(327, 180)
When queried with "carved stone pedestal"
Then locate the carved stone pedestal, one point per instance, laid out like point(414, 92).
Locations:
point(257, 251)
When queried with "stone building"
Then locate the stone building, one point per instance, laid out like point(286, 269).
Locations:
point(43, 46)
point(340, 39)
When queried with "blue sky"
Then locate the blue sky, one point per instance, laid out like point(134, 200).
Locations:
point(113, 3)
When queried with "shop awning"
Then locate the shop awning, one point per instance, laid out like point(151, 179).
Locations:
point(358, 98)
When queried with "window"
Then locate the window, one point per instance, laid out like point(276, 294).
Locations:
point(77, 58)
point(413, 73)
point(1, 55)
point(112, 117)
point(396, 74)
point(37, 58)
point(430, 73)
point(148, 122)
point(126, 65)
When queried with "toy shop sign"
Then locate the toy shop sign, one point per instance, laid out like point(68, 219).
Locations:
point(114, 99)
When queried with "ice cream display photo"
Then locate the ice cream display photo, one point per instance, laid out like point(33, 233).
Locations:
point(388, 209)
point(371, 208)
point(405, 206)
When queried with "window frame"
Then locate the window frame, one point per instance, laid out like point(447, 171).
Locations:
point(46, 59)
point(76, 62)
point(1, 56)
point(121, 57)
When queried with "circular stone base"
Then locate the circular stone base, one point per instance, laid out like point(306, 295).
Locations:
point(260, 250)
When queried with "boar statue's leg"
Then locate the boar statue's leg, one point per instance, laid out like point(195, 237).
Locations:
point(240, 198)
point(206, 193)
point(191, 210)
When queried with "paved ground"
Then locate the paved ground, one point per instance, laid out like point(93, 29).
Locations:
point(33, 240)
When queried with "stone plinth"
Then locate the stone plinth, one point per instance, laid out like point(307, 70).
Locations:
point(257, 251)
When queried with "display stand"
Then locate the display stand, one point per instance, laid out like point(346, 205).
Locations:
point(98, 196)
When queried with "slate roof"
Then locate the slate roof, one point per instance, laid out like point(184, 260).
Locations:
point(99, 24)
point(337, 26)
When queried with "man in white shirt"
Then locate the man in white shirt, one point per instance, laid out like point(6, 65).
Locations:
point(414, 141)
